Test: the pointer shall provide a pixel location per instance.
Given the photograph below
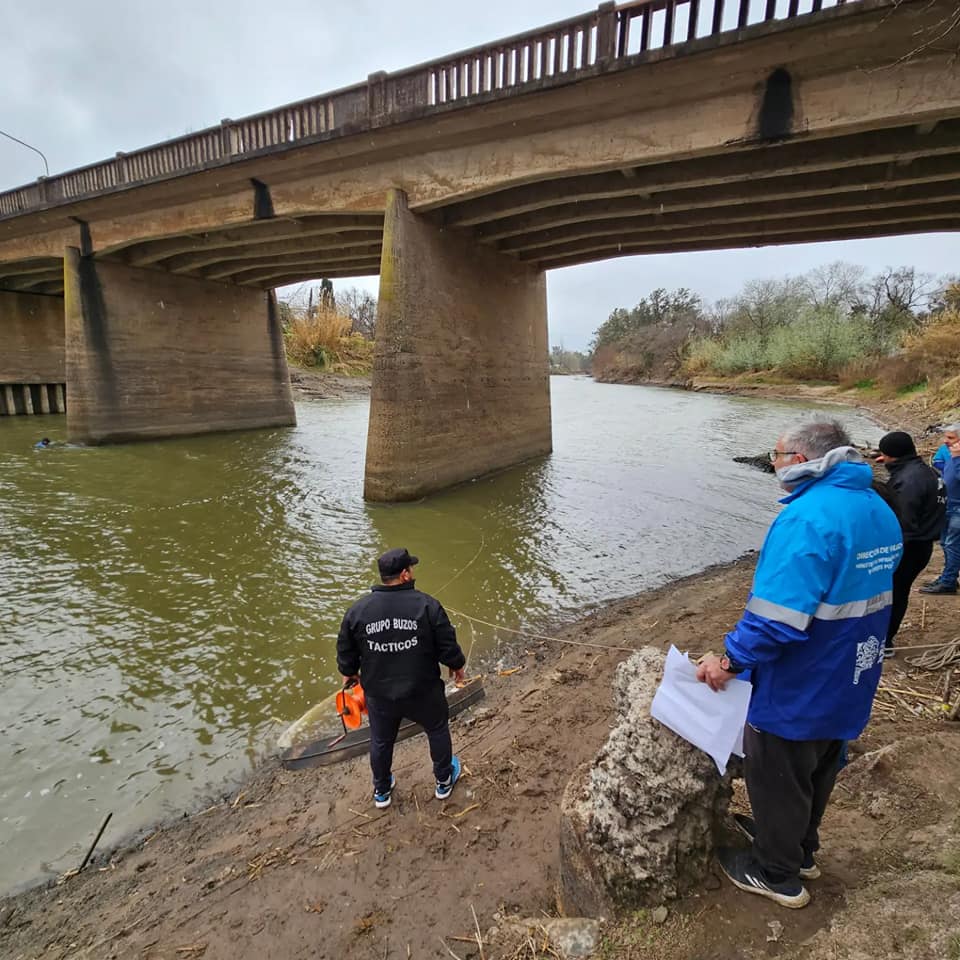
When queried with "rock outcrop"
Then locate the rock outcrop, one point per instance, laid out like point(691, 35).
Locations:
point(637, 825)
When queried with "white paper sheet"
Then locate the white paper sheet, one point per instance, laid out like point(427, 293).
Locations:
point(711, 720)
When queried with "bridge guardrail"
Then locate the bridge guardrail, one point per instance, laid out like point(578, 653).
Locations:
point(560, 51)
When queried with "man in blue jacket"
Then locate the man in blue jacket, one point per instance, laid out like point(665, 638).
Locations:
point(812, 637)
point(947, 462)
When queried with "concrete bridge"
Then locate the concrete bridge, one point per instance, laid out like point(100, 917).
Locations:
point(144, 283)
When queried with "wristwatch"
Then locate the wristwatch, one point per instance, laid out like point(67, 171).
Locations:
point(729, 664)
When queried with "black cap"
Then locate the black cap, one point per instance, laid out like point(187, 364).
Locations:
point(395, 561)
point(897, 444)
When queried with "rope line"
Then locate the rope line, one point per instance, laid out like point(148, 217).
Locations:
point(541, 636)
point(463, 570)
point(951, 648)
point(948, 656)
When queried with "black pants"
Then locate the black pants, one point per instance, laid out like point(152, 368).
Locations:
point(429, 709)
point(916, 555)
point(789, 783)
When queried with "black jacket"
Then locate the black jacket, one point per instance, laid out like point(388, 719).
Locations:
point(395, 638)
point(920, 500)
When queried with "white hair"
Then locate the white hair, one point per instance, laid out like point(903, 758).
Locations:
point(815, 438)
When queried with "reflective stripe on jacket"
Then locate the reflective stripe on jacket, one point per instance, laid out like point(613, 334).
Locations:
point(814, 627)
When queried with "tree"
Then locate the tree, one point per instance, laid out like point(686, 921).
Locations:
point(765, 305)
point(835, 285)
point(327, 300)
point(361, 308)
point(895, 300)
point(661, 308)
point(567, 361)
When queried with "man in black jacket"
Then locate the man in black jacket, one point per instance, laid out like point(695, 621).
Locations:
point(920, 504)
point(393, 640)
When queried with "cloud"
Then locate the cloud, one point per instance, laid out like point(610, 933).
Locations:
point(82, 81)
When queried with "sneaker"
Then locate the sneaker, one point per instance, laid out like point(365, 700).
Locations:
point(938, 587)
point(745, 873)
point(382, 800)
point(808, 871)
point(445, 788)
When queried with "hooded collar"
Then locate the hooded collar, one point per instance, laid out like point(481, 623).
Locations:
point(801, 475)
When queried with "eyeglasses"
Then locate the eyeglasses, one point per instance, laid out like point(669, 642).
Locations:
point(775, 454)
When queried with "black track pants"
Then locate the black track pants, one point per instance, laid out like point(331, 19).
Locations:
point(429, 709)
point(916, 555)
point(789, 783)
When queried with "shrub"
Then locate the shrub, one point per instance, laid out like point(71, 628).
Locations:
point(702, 357)
point(323, 339)
point(860, 373)
point(742, 355)
point(818, 346)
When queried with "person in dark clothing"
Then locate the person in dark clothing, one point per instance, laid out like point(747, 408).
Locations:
point(393, 641)
point(920, 505)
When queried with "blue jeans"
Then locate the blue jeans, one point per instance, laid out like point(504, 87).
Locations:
point(951, 547)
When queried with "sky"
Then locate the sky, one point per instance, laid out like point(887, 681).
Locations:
point(83, 81)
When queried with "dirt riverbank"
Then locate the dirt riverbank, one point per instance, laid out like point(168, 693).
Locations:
point(301, 865)
point(296, 865)
point(308, 383)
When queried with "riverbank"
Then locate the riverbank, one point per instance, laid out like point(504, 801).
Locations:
point(310, 383)
point(301, 865)
point(913, 412)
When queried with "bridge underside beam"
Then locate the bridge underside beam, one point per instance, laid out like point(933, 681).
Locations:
point(911, 219)
point(919, 203)
point(152, 355)
point(460, 380)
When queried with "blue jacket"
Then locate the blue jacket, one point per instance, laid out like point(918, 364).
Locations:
point(951, 480)
point(814, 628)
point(938, 460)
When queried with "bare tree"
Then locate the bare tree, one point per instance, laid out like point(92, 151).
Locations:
point(765, 305)
point(834, 285)
point(361, 308)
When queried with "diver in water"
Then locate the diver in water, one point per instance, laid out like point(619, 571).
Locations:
point(43, 444)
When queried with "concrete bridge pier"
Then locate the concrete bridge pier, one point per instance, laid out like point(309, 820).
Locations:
point(31, 352)
point(152, 354)
point(461, 369)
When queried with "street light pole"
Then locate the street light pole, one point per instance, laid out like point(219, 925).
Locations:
point(10, 136)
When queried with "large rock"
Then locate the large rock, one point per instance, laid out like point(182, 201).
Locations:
point(637, 826)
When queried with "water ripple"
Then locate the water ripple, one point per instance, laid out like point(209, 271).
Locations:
point(162, 603)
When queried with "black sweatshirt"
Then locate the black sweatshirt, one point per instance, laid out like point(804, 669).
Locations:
point(918, 493)
point(395, 638)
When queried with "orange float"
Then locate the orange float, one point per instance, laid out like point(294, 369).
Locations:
point(351, 706)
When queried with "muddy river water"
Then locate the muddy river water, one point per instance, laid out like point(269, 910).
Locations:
point(167, 608)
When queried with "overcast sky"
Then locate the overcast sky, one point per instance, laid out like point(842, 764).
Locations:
point(82, 81)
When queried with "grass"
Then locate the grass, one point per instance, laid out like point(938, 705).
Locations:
point(953, 947)
point(323, 340)
point(638, 936)
point(909, 388)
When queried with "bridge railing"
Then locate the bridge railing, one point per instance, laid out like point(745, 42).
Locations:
point(555, 53)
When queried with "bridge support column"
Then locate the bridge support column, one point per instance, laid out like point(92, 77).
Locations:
point(31, 338)
point(461, 369)
point(152, 354)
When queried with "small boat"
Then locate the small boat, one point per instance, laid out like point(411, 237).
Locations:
point(355, 743)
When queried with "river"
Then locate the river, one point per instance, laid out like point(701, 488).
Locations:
point(166, 608)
